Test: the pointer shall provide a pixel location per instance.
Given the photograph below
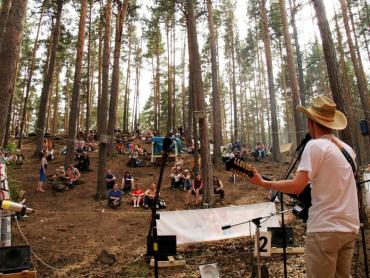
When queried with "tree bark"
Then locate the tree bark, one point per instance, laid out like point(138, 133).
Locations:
point(29, 81)
point(115, 74)
point(8, 58)
point(266, 41)
point(357, 66)
point(127, 88)
point(89, 77)
point(100, 49)
point(197, 90)
point(54, 123)
point(73, 114)
point(47, 83)
point(169, 81)
point(100, 190)
point(216, 103)
point(332, 67)
point(5, 8)
point(292, 75)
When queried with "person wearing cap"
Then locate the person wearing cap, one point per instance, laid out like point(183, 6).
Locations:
point(333, 219)
point(187, 179)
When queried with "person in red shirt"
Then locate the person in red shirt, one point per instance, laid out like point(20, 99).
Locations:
point(137, 195)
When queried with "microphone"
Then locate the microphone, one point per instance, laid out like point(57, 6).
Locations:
point(167, 142)
point(15, 207)
point(226, 227)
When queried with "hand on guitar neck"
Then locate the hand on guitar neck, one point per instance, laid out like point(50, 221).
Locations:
point(297, 188)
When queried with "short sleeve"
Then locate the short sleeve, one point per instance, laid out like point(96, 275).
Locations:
point(311, 159)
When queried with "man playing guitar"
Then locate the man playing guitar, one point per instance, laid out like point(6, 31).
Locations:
point(333, 219)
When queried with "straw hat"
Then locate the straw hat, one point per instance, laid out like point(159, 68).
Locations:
point(324, 112)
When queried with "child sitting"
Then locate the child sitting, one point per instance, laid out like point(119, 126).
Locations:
point(137, 195)
point(114, 197)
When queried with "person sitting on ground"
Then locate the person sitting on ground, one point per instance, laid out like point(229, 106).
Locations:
point(260, 150)
point(137, 195)
point(110, 179)
point(42, 173)
point(114, 197)
point(149, 196)
point(83, 162)
point(178, 163)
point(177, 180)
point(196, 189)
point(218, 188)
point(187, 179)
point(134, 159)
point(127, 182)
point(72, 176)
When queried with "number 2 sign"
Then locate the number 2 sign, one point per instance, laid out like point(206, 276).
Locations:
point(264, 244)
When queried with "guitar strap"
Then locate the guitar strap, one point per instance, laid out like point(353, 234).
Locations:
point(346, 155)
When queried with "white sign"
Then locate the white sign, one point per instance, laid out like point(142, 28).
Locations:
point(201, 225)
point(264, 244)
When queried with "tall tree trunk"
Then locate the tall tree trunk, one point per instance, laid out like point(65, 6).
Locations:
point(216, 103)
point(73, 115)
point(173, 70)
point(100, 58)
point(67, 99)
point(361, 154)
point(100, 190)
point(115, 74)
point(29, 80)
point(54, 123)
point(197, 90)
point(158, 90)
point(183, 90)
point(8, 58)
point(235, 107)
point(5, 8)
point(299, 56)
point(169, 80)
point(90, 74)
point(127, 89)
point(357, 66)
point(292, 74)
point(8, 119)
point(266, 41)
point(47, 83)
point(332, 67)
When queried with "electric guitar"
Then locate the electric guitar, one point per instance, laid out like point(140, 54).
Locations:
point(304, 198)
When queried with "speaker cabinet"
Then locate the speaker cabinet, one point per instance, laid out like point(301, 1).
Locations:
point(15, 258)
point(166, 246)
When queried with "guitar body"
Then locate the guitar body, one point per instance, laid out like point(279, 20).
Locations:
point(300, 210)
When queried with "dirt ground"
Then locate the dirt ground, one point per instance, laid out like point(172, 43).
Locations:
point(69, 230)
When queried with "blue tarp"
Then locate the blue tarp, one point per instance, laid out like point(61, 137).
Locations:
point(158, 144)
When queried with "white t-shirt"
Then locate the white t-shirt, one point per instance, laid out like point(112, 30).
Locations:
point(333, 187)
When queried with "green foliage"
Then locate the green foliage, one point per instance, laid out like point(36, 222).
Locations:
point(11, 148)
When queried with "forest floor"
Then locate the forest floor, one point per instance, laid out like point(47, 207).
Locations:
point(70, 229)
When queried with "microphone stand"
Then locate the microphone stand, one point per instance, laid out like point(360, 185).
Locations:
point(298, 151)
point(155, 216)
point(257, 221)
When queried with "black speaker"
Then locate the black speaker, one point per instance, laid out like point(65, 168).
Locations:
point(15, 258)
point(166, 246)
point(364, 127)
point(277, 236)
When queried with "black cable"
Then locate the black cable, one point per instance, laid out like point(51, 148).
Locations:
point(357, 255)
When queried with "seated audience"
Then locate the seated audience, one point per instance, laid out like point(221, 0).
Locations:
point(178, 163)
point(137, 195)
point(177, 180)
point(110, 179)
point(134, 159)
point(83, 162)
point(114, 197)
point(260, 150)
point(187, 179)
point(127, 182)
point(196, 189)
point(218, 188)
point(72, 176)
point(149, 196)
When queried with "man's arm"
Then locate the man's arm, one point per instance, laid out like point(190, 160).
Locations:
point(294, 186)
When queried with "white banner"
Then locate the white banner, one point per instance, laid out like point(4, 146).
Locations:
point(192, 226)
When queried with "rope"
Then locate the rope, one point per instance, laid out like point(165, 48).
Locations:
point(33, 253)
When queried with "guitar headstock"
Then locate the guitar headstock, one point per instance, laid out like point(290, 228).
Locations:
point(240, 167)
